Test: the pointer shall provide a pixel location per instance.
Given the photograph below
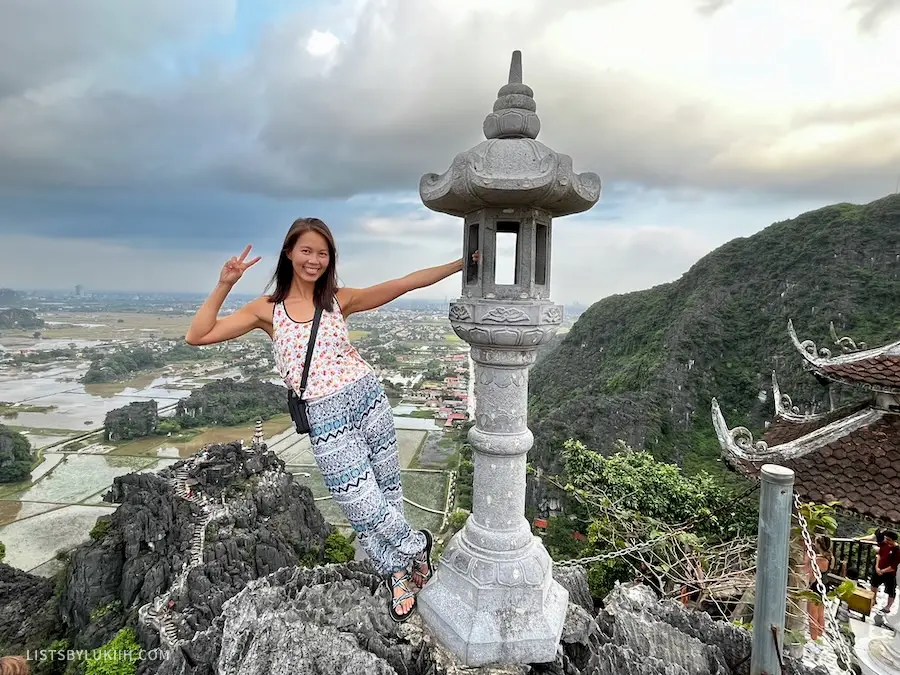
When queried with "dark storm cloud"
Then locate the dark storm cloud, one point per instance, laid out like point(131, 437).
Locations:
point(45, 41)
point(88, 107)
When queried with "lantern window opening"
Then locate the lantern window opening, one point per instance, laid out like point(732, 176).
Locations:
point(541, 248)
point(472, 245)
point(506, 268)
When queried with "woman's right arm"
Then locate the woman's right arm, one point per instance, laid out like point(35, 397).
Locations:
point(207, 328)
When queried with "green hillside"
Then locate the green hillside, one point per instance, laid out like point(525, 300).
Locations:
point(642, 367)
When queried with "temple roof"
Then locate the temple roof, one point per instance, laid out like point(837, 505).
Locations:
point(877, 369)
point(850, 455)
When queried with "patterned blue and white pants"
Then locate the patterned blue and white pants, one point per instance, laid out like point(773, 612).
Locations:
point(355, 446)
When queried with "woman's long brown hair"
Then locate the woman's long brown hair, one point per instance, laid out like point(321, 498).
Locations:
point(13, 665)
point(326, 285)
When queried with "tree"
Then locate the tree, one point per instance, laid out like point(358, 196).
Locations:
point(15, 456)
point(135, 420)
point(820, 520)
point(631, 499)
point(229, 403)
point(2, 551)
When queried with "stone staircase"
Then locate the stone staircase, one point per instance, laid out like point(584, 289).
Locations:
point(155, 613)
point(181, 489)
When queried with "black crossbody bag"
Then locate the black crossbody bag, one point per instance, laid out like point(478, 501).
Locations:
point(296, 405)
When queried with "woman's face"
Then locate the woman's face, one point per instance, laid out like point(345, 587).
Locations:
point(310, 256)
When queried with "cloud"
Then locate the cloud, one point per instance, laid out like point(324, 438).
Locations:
point(48, 45)
point(872, 13)
point(322, 109)
point(59, 262)
point(170, 134)
point(710, 7)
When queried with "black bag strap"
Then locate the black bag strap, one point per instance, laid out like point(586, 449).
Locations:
point(310, 348)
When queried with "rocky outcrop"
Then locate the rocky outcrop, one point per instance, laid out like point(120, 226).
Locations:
point(135, 420)
point(332, 620)
point(27, 610)
point(186, 539)
point(20, 318)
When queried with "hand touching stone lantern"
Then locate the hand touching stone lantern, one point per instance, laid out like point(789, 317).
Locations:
point(493, 598)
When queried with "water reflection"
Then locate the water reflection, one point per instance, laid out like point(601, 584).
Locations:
point(76, 406)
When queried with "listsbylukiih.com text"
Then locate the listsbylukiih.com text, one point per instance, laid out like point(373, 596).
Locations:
point(132, 655)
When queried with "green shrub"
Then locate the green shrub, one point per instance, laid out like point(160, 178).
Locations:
point(338, 548)
point(100, 529)
point(119, 656)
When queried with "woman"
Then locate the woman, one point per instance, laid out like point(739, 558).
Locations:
point(352, 426)
point(816, 609)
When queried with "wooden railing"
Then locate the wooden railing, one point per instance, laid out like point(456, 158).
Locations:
point(853, 558)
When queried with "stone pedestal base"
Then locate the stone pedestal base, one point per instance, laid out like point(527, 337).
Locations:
point(491, 607)
point(879, 656)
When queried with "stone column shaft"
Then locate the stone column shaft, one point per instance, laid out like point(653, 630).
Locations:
point(501, 440)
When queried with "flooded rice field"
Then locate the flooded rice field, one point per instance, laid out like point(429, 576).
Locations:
point(427, 489)
point(55, 399)
point(55, 509)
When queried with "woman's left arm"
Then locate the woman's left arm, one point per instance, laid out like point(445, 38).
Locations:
point(361, 299)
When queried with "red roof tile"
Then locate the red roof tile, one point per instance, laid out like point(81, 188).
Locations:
point(858, 470)
point(880, 371)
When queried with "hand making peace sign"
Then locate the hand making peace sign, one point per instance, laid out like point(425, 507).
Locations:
point(235, 267)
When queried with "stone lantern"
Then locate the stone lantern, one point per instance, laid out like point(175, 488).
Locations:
point(493, 598)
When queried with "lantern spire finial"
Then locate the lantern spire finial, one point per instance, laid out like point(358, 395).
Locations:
point(514, 113)
point(515, 68)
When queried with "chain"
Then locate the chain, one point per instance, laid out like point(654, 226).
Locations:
point(832, 630)
point(618, 553)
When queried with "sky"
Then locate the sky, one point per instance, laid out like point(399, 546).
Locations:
point(143, 144)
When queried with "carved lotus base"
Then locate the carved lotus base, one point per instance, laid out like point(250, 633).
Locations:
point(499, 323)
point(488, 607)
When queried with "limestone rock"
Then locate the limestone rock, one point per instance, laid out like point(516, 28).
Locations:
point(264, 521)
point(27, 610)
point(333, 620)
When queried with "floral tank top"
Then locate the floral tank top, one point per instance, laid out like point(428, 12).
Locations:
point(335, 362)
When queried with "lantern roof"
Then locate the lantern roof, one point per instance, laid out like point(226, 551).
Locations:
point(511, 168)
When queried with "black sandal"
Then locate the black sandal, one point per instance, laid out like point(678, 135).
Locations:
point(423, 558)
point(393, 582)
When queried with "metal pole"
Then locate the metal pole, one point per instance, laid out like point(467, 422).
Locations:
point(775, 505)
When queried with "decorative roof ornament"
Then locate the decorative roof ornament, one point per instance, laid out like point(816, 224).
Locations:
point(784, 407)
point(807, 347)
point(786, 410)
point(847, 345)
point(738, 441)
point(876, 369)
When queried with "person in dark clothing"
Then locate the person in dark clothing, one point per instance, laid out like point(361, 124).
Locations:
point(886, 563)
